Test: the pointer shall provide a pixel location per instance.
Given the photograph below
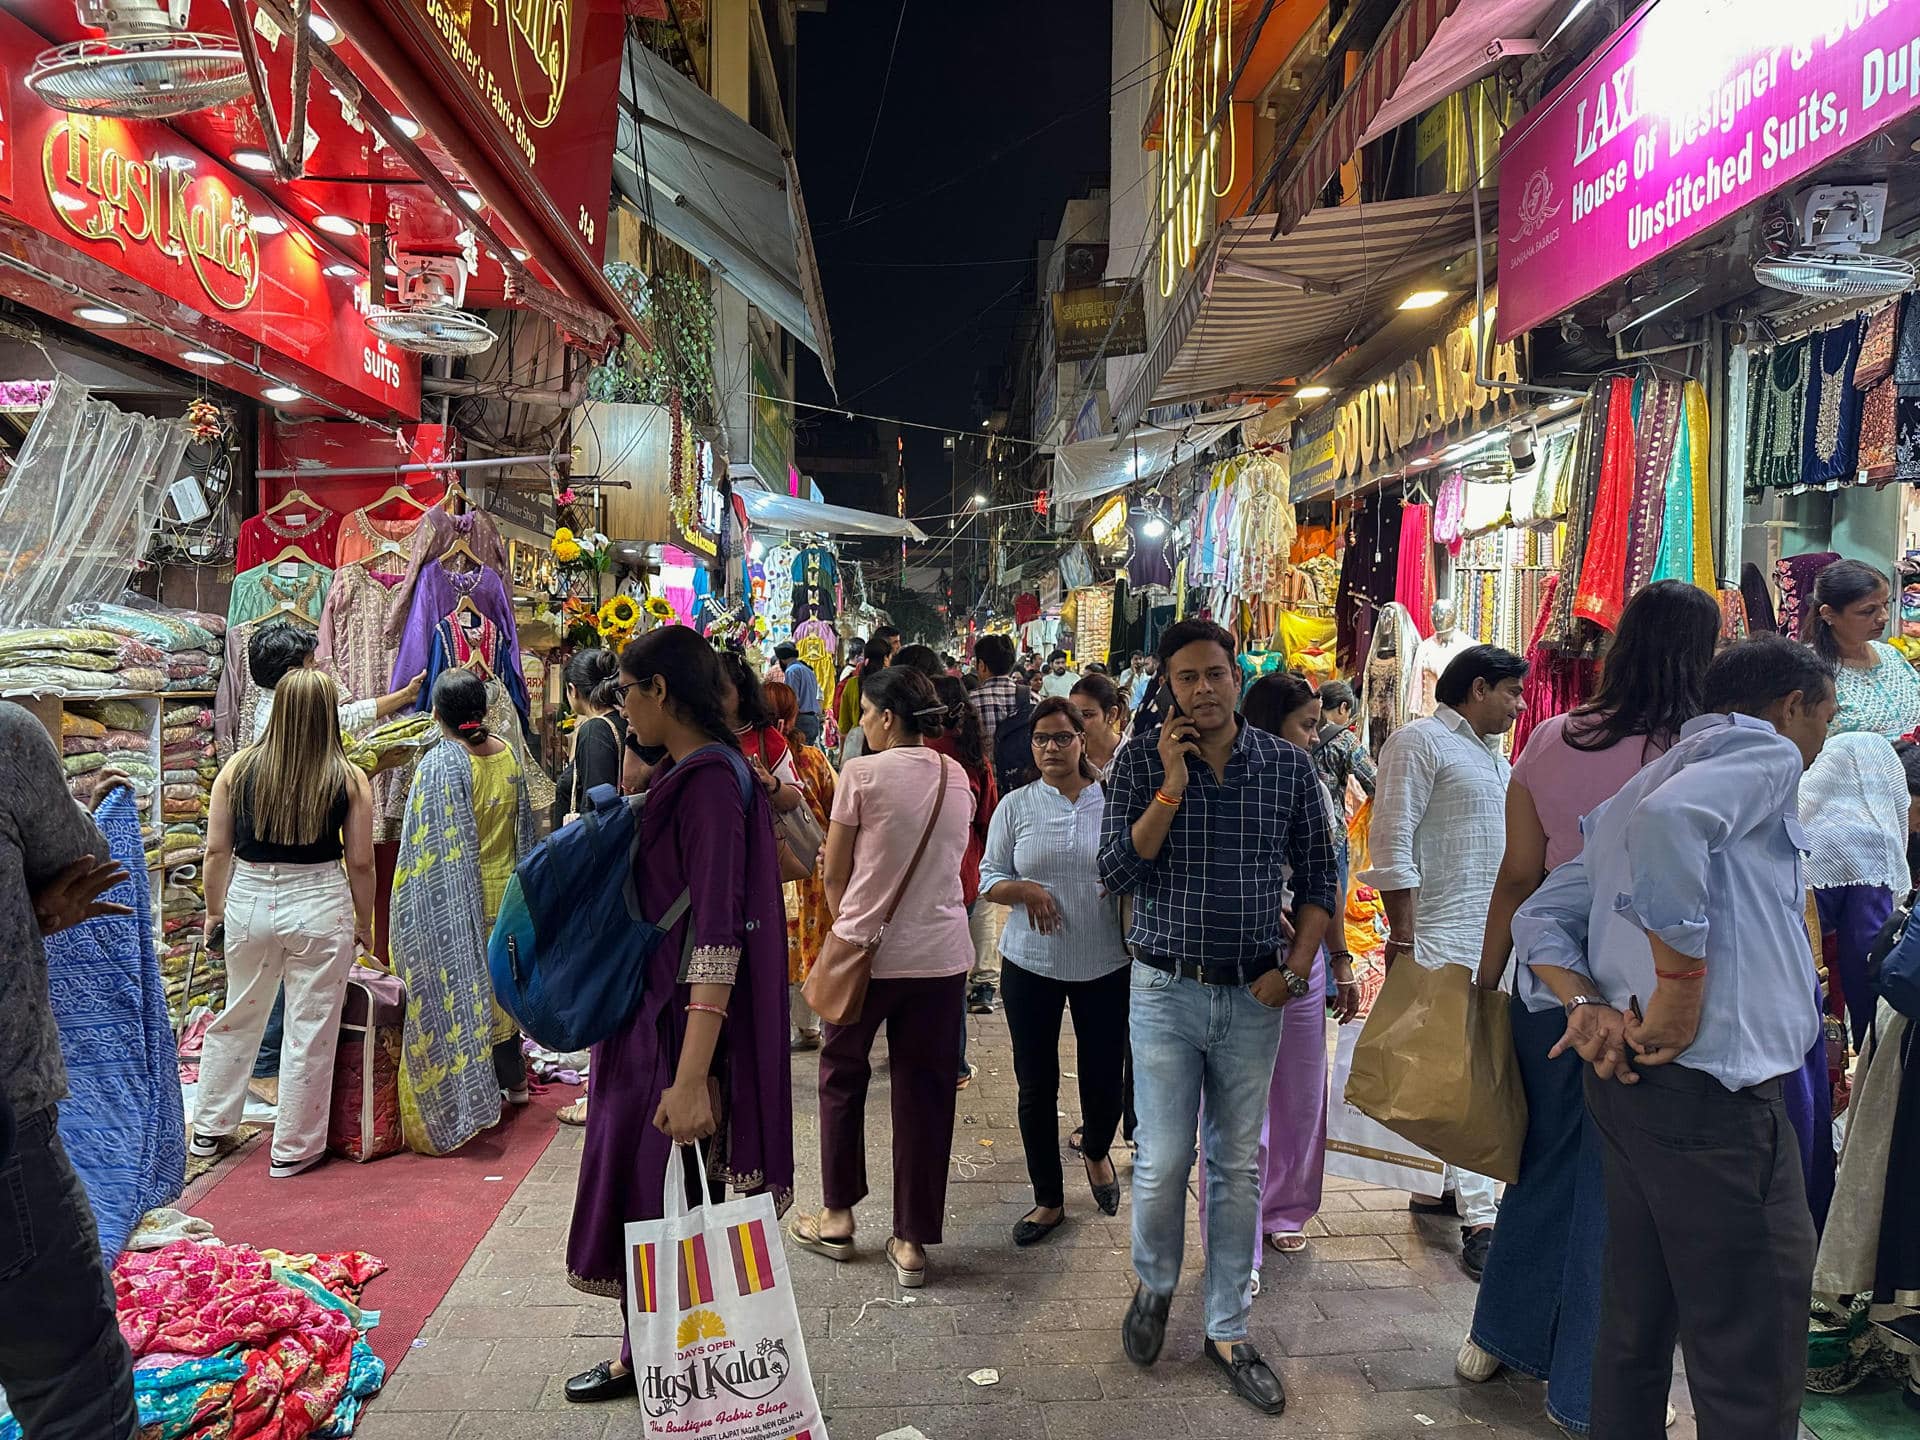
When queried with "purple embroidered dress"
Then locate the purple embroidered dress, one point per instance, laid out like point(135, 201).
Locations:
point(694, 835)
point(436, 593)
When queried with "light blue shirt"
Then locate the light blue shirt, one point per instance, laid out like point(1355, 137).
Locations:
point(1701, 848)
point(1039, 835)
point(806, 687)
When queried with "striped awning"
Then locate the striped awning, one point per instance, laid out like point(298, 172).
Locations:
point(1259, 310)
point(1400, 44)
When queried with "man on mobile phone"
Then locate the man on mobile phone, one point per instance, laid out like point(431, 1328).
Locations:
point(1677, 942)
point(1201, 825)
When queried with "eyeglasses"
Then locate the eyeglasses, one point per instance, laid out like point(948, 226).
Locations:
point(620, 691)
point(1058, 740)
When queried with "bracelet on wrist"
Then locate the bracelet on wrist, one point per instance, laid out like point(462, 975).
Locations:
point(701, 1007)
point(1698, 973)
point(1172, 802)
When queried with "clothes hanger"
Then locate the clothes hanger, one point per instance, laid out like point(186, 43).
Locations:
point(295, 499)
point(387, 548)
point(466, 604)
point(293, 551)
point(400, 494)
point(286, 610)
point(455, 492)
point(461, 547)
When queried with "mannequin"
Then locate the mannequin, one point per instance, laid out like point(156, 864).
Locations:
point(1435, 654)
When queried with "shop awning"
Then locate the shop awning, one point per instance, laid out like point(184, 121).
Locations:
point(788, 512)
point(1385, 77)
point(1089, 469)
point(717, 187)
point(1470, 43)
point(1260, 309)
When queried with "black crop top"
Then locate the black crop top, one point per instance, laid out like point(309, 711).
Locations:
point(331, 845)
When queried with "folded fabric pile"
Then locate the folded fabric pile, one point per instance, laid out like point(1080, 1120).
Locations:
point(187, 646)
point(106, 734)
point(228, 1341)
point(74, 660)
point(186, 789)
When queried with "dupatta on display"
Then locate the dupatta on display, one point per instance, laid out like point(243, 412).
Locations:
point(448, 1091)
point(1602, 591)
point(1686, 545)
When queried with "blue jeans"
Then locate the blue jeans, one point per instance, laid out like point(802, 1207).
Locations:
point(1191, 1040)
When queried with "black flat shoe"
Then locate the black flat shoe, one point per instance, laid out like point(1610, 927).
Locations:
point(1107, 1195)
point(1144, 1330)
point(1029, 1231)
point(1447, 1204)
point(600, 1383)
point(1475, 1245)
point(1252, 1378)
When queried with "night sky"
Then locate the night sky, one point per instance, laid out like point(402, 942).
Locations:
point(969, 80)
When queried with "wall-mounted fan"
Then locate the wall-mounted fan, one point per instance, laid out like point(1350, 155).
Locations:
point(148, 66)
point(1822, 254)
point(426, 317)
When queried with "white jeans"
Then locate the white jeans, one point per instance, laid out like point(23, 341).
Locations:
point(291, 925)
point(984, 927)
point(1477, 1194)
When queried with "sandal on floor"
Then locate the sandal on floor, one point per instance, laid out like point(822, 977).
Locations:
point(1287, 1242)
point(907, 1279)
point(804, 1231)
point(574, 1114)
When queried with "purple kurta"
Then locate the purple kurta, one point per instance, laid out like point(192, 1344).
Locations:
point(694, 835)
point(438, 590)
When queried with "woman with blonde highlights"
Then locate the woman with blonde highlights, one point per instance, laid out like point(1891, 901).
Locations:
point(285, 814)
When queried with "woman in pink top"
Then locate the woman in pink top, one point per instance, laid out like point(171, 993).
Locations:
point(918, 990)
point(1539, 1305)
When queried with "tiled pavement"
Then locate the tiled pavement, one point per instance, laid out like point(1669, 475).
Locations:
point(1363, 1327)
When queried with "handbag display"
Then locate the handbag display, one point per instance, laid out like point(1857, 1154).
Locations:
point(837, 986)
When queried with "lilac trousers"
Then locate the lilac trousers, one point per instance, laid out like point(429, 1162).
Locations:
point(1293, 1139)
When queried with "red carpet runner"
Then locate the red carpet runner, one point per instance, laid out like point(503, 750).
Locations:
point(423, 1217)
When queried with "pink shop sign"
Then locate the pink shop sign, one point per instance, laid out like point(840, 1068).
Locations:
point(1690, 111)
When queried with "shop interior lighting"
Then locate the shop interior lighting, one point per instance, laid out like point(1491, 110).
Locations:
point(335, 225)
point(756, 551)
point(1153, 527)
point(521, 256)
point(1423, 460)
point(979, 499)
point(281, 394)
point(100, 315)
point(1313, 392)
point(471, 199)
point(341, 271)
point(266, 224)
point(202, 357)
point(1423, 299)
point(324, 30)
point(255, 160)
point(407, 126)
point(1562, 403)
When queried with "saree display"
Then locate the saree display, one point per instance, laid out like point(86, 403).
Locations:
point(448, 1090)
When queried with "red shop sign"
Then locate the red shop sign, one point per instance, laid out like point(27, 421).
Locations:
point(135, 197)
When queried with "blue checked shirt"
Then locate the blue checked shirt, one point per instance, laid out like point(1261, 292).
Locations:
point(1215, 892)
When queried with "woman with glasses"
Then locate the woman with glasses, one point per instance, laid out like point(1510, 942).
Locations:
point(1062, 950)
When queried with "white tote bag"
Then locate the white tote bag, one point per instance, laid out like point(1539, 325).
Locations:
point(716, 1335)
point(1361, 1148)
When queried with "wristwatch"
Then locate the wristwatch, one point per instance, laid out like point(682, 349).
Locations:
point(1297, 984)
point(1577, 1001)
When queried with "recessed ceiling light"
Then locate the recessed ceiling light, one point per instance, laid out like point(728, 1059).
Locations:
point(266, 224)
point(324, 29)
point(335, 225)
point(1312, 392)
point(100, 315)
point(256, 160)
point(407, 126)
point(1423, 299)
point(281, 394)
point(202, 357)
point(342, 272)
point(471, 199)
point(521, 256)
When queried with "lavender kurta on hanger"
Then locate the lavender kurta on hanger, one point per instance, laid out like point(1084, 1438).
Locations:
point(437, 591)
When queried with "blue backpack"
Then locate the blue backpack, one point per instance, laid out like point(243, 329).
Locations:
point(570, 949)
point(1893, 963)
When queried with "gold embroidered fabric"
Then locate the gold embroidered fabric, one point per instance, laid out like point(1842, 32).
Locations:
point(712, 965)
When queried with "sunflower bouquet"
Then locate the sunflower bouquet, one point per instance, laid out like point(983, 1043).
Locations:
point(618, 619)
point(660, 610)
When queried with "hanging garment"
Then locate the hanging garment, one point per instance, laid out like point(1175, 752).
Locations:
point(1758, 602)
point(437, 592)
point(1367, 568)
point(1150, 537)
point(1657, 413)
point(1777, 422)
point(1601, 595)
point(1793, 577)
point(315, 531)
point(461, 641)
point(1387, 680)
point(432, 538)
point(363, 534)
point(1556, 681)
point(1413, 584)
point(1830, 445)
point(261, 588)
point(815, 576)
point(1449, 509)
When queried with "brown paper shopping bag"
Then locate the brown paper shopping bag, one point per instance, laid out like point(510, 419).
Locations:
point(1435, 1065)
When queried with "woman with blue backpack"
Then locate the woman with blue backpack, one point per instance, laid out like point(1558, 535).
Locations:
point(704, 1055)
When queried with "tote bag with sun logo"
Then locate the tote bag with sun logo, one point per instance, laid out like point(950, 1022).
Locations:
point(717, 1348)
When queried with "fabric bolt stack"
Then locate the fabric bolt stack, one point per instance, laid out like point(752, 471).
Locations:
point(75, 660)
point(232, 1341)
point(112, 734)
point(187, 776)
point(179, 649)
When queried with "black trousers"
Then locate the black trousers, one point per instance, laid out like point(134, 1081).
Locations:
point(1034, 1006)
point(1708, 1239)
point(67, 1373)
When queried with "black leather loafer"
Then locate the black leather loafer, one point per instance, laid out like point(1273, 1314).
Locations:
point(1252, 1378)
point(1144, 1330)
point(600, 1383)
point(1475, 1246)
point(1106, 1196)
point(1028, 1231)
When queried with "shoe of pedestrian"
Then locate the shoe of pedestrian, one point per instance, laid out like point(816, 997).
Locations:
point(1473, 1364)
point(1474, 1245)
point(965, 1077)
point(1447, 1204)
point(1029, 1231)
point(1252, 1378)
point(1106, 1195)
point(1144, 1330)
point(804, 1231)
point(600, 1383)
point(574, 1114)
point(287, 1169)
point(980, 1000)
point(908, 1278)
point(1287, 1242)
point(519, 1099)
point(1254, 1285)
point(266, 1089)
point(803, 1041)
point(210, 1147)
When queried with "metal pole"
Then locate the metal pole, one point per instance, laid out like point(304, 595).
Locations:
point(410, 469)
